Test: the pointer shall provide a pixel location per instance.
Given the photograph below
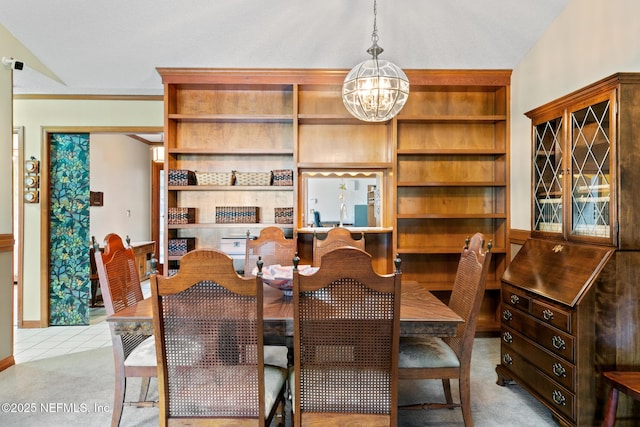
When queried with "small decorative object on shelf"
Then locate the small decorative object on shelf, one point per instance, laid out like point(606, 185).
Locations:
point(236, 214)
point(182, 216)
point(182, 177)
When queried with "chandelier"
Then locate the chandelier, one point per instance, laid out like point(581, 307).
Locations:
point(375, 90)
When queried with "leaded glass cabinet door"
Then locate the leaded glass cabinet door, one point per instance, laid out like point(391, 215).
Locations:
point(548, 172)
point(591, 136)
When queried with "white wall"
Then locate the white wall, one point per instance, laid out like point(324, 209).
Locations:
point(6, 223)
point(590, 40)
point(120, 167)
point(35, 115)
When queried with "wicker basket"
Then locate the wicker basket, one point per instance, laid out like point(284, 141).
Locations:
point(214, 178)
point(236, 214)
point(181, 177)
point(180, 246)
point(284, 215)
point(282, 177)
point(253, 178)
point(182, 215)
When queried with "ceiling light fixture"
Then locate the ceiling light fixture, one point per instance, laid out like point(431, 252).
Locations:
point(375, 90)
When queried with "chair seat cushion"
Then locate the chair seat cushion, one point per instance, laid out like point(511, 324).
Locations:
point(274, 379)
point(144, 354)
point(276, 355)
point(426, 352)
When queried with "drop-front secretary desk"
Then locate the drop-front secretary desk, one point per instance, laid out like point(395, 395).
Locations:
point(570, 296)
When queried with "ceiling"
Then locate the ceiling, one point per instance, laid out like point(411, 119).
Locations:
point(113, 47)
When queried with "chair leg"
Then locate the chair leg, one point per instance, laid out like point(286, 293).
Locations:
point(144, 389)
point(464, 384)
point(446, 384)
point(118, 399)
point(611, 408)
point(94, 291)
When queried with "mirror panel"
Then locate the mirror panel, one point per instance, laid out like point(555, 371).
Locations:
point(348, 198)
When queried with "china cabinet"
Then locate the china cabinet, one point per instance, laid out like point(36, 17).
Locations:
point(570, 295)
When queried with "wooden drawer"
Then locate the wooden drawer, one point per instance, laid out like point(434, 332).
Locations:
point(553, 366)
point(552, 394)
point(558, 342)
point(516, 298)
point(553, 315)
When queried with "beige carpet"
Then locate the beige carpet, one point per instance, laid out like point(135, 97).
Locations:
point(77, 389)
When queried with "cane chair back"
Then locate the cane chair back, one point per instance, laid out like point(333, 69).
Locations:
point(272, 246)
point(208, 324)
point(134, 354)
point(337, 237)
point(346, 331)
point(450, 357)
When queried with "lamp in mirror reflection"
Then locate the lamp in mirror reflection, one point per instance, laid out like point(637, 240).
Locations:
point(375, 90)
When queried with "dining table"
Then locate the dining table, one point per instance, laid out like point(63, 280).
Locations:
point(421, 314)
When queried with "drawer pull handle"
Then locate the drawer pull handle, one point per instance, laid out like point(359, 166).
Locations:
point(507, 359)
point(515, 299)
point(559, 398)
point(506, 315)
point(559, 370)
point(506, 337)
point(558, 343)
point(547, 314)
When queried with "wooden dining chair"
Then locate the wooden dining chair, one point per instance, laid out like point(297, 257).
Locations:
point(346, 331)
point(450, 357)
point(627, 382)
point(134, 355)
point(336, 237)
point(209, 327)
point(272, 246)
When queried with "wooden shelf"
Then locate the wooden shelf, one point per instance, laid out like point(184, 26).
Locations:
point(231, 151)
point(230, 188)
point(232, 118)
point(452, 184)
point(460, 215)
point(435, 118)
point(227, 225)
point(334, 119)
point(348, 166)
point(451, 152)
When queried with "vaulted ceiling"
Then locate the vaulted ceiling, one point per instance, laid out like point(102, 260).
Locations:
point(114, 46)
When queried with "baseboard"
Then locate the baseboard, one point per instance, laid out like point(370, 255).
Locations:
point(7, 362)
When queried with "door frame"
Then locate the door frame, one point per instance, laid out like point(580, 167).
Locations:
point(45, 200)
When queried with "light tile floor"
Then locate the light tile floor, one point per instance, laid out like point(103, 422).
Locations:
point(39, 343)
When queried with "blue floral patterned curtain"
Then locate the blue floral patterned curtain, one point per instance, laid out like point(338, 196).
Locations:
point(69, 268)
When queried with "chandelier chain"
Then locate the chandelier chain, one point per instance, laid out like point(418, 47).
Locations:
point(374, 36)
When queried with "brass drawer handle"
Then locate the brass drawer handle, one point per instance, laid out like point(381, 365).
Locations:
point(515, 299)
point(559, 370)
point(507, 359)
point(506, 337)
point(559, 398)
point(558, 343)
point(506, 315)
point(547, 314)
